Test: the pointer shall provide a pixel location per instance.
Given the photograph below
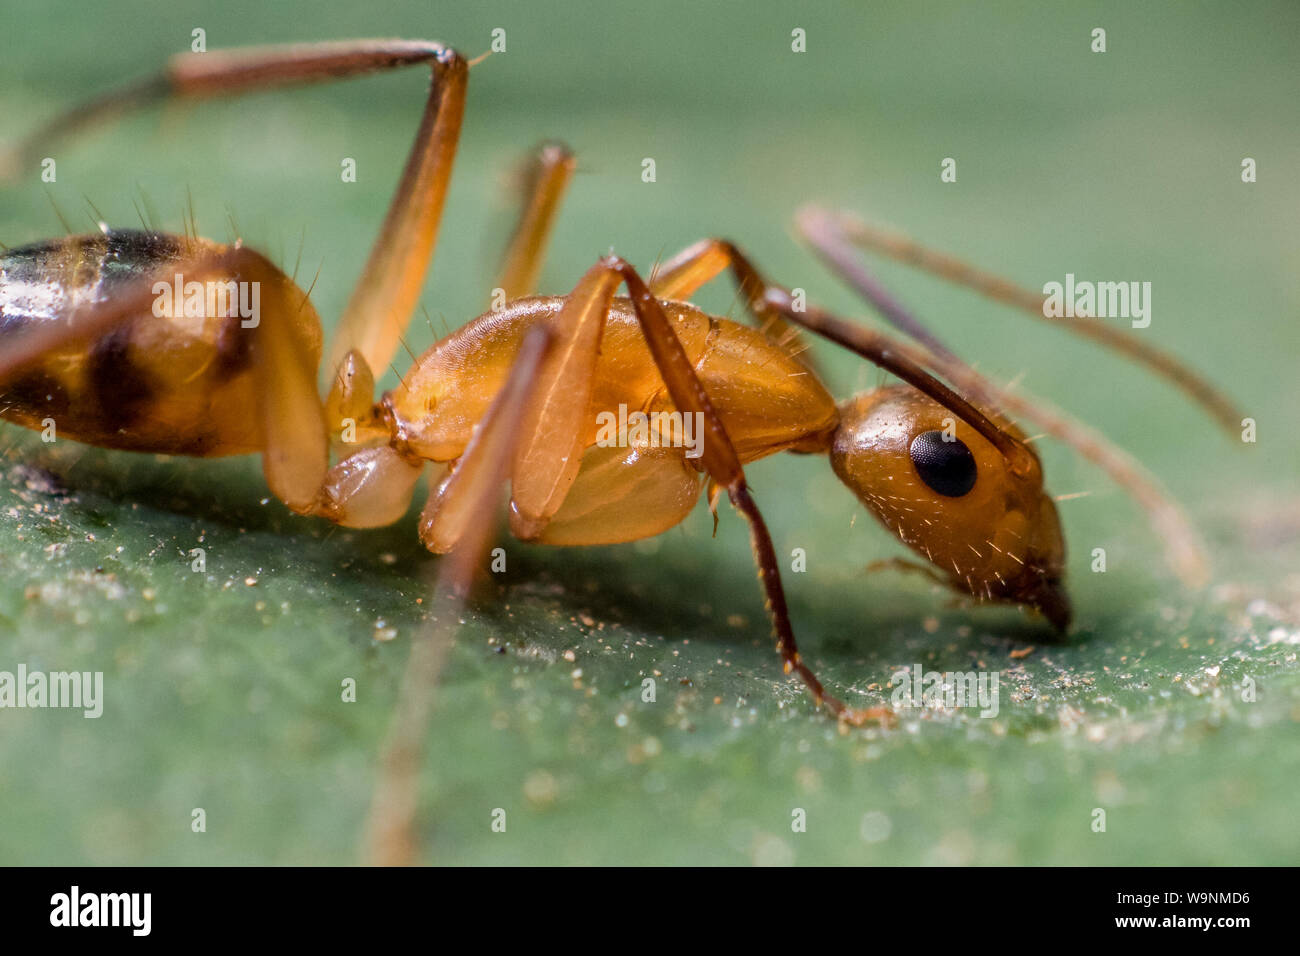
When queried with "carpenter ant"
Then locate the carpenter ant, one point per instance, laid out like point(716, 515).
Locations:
point(519, 392)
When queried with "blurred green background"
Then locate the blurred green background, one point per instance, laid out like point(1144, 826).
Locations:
point(223, 689)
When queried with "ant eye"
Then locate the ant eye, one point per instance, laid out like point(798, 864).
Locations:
point(946, 466)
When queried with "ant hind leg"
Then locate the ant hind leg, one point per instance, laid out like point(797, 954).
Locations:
point(384, 297)
point(549, 171)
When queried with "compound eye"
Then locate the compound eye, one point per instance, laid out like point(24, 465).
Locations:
point(948, 467)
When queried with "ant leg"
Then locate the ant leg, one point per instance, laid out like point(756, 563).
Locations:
point(554, 433)
point(468, 507)
point(549, 173)
point(589, 305)
point(833, 237)
point(471, 485)
point(370, 488)
point(350, 403)
point(284, 353)
point(1184, 550)
point(700, 263)
point(723, 466)
point(386, 292)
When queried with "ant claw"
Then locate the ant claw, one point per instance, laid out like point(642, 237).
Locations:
point(858, 717)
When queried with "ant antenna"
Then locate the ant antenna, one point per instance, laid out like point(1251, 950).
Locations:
point(833, 235)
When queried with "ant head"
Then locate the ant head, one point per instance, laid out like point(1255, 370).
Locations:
point(978, 515)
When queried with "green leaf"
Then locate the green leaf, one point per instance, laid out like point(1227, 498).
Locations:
point(223, 689)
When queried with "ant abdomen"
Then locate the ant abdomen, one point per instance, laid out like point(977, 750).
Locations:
point(171, 373)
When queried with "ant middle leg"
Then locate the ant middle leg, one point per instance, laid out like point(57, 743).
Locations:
point(469, 501)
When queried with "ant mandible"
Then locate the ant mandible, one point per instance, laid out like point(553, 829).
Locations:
point(517, 392)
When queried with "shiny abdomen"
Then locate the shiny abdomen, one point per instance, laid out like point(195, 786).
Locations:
point(172, 385)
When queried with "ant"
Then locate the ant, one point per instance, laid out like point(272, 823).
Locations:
point(516, 393)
